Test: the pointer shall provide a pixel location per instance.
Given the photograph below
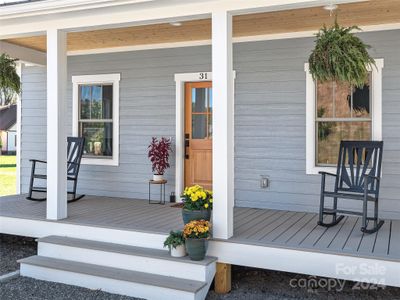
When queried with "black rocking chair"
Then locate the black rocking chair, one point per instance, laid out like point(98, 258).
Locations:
point(74, 155)
point(357, 178)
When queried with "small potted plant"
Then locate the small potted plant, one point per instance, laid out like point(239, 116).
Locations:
point(197, 204)
point(196, 233)
point(159, 156)
point(176, 244)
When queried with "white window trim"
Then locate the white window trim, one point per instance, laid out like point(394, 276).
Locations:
point(98, 79)
point(376, 105)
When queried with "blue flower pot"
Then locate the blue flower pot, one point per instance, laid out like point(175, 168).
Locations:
point(190, 215)
point(196, 248)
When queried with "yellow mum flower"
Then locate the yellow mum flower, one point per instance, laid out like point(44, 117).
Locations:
point(206, 205)
point(194, 197)
point(211, 200)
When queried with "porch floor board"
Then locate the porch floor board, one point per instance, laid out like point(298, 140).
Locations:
point(296, 230)
point(263, 227)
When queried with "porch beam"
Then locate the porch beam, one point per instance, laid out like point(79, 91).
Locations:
point(223, 151)
point(30, 21)
point(56, 129)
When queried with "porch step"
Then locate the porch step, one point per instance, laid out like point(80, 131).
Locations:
point(113, 280)
point(127, 257)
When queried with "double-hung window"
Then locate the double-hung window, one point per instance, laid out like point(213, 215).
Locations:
point(96, 117)
point(339, 111)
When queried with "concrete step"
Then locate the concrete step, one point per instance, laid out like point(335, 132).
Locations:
point(112, 280)
point(127, 257)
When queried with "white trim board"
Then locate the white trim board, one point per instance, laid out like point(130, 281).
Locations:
point(180, 80)
point(307, 262)
point(93, 79)
point(376, 106)
point(19, 128)
point(244, 39)
point(42, 228)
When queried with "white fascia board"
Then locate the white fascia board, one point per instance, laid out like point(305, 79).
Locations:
point(23, 54)
point(146, 13)
point(59, 6)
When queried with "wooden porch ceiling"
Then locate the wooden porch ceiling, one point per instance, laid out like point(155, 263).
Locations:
point(373, 12)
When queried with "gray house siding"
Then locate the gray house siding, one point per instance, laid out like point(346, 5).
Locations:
point(147, 108)
point(270, 125)
point(270, 132)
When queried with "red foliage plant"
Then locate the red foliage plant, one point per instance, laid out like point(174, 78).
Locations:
point(159, 154)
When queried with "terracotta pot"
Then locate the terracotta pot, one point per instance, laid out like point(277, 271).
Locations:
point(179, 251)
point(190, 215)
point(196, 248)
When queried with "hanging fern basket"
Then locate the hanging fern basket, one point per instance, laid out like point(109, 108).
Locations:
point(340, 56)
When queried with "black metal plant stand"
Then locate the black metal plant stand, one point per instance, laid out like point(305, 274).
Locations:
point(162, 184)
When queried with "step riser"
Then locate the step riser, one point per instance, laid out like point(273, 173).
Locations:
point(105, 284)
point(128, 262)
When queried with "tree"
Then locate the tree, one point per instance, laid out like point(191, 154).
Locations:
point(10, 82)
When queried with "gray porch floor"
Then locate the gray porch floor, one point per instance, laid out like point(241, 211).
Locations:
point(276, 228)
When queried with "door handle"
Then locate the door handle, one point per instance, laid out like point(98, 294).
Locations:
point(187, 143)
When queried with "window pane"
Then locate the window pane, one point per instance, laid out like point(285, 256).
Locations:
point(98, 138)
point(97, 107)
point(324, 93)
point(85, 98)
point(362, 101)
point(199, 126)
point(107, 101)
point(331, 133)
point(200, 99)
point(95, 101)
point(342, 100)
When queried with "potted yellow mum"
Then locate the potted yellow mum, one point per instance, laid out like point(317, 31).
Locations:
point(197, 204)
point(196, 233)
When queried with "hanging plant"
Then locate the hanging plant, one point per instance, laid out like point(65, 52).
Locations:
point(340, 56)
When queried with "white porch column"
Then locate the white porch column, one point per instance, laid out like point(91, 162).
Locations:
point(223, 110)
point(56, 131)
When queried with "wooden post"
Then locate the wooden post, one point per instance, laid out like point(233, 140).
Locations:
point(223, 279)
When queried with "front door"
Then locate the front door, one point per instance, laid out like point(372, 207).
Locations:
point(198, 134)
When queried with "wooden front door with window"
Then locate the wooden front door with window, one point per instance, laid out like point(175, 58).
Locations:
point(198, 134)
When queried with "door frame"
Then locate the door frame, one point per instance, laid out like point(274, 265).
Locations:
point(180, 80)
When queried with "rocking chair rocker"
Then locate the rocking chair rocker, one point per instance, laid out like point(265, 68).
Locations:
point(357, 178)
point(74, 155)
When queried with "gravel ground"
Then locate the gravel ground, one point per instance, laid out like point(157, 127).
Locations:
point(13, 248)
point(257, 284)
point(23, 288)
point(247, 283)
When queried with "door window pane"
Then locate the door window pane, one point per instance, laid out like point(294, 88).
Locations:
point(200, 99)
point(199, 126)
point(331, 133)
point(210, 128)
point(98, 138)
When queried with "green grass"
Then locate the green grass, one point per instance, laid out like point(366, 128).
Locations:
point(7, 175)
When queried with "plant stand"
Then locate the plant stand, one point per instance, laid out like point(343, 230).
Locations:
point(161, 183)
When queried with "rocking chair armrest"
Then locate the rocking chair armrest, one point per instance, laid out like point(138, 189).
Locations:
point(372, 177)
point(38, 160)
point(323, 173)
